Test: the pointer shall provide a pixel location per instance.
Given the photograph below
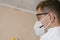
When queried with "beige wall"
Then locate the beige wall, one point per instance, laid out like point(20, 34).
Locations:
point(16, 23)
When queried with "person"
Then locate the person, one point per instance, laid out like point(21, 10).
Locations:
point(47, 26)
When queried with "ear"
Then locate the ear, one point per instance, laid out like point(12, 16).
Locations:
point(52, 17)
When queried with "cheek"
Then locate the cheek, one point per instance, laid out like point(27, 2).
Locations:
point(46, 21)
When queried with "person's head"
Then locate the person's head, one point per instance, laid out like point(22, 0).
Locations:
point(50, 9)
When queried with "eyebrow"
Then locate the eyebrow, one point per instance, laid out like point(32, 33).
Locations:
point(41, 14)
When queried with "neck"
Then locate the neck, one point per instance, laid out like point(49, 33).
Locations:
point(52, 25)
point(55, 24)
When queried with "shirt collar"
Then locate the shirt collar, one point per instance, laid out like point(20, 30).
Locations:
point(55, 28)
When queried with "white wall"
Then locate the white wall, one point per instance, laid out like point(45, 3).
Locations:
point(24, 4)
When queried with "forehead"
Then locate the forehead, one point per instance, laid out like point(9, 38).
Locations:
point(39, 11)
point(45, 10)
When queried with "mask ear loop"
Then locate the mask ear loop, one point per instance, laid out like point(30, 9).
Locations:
point(44, 18)
point(48, 25)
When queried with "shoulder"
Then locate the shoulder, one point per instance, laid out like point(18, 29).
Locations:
point(51, 36)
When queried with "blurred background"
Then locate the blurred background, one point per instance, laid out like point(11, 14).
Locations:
point(17, 18)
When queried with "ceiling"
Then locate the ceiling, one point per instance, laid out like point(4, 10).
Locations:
point(24, 4)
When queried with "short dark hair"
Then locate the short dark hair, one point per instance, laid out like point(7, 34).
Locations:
point(53, 6)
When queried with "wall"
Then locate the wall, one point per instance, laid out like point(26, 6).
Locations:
point(24, 4)
point(16, 24)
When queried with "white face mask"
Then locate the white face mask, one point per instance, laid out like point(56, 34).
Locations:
point(39, 29)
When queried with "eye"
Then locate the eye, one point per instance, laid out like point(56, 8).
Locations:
point(40, 15)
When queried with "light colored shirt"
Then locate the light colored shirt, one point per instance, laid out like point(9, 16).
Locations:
point(52, 34)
